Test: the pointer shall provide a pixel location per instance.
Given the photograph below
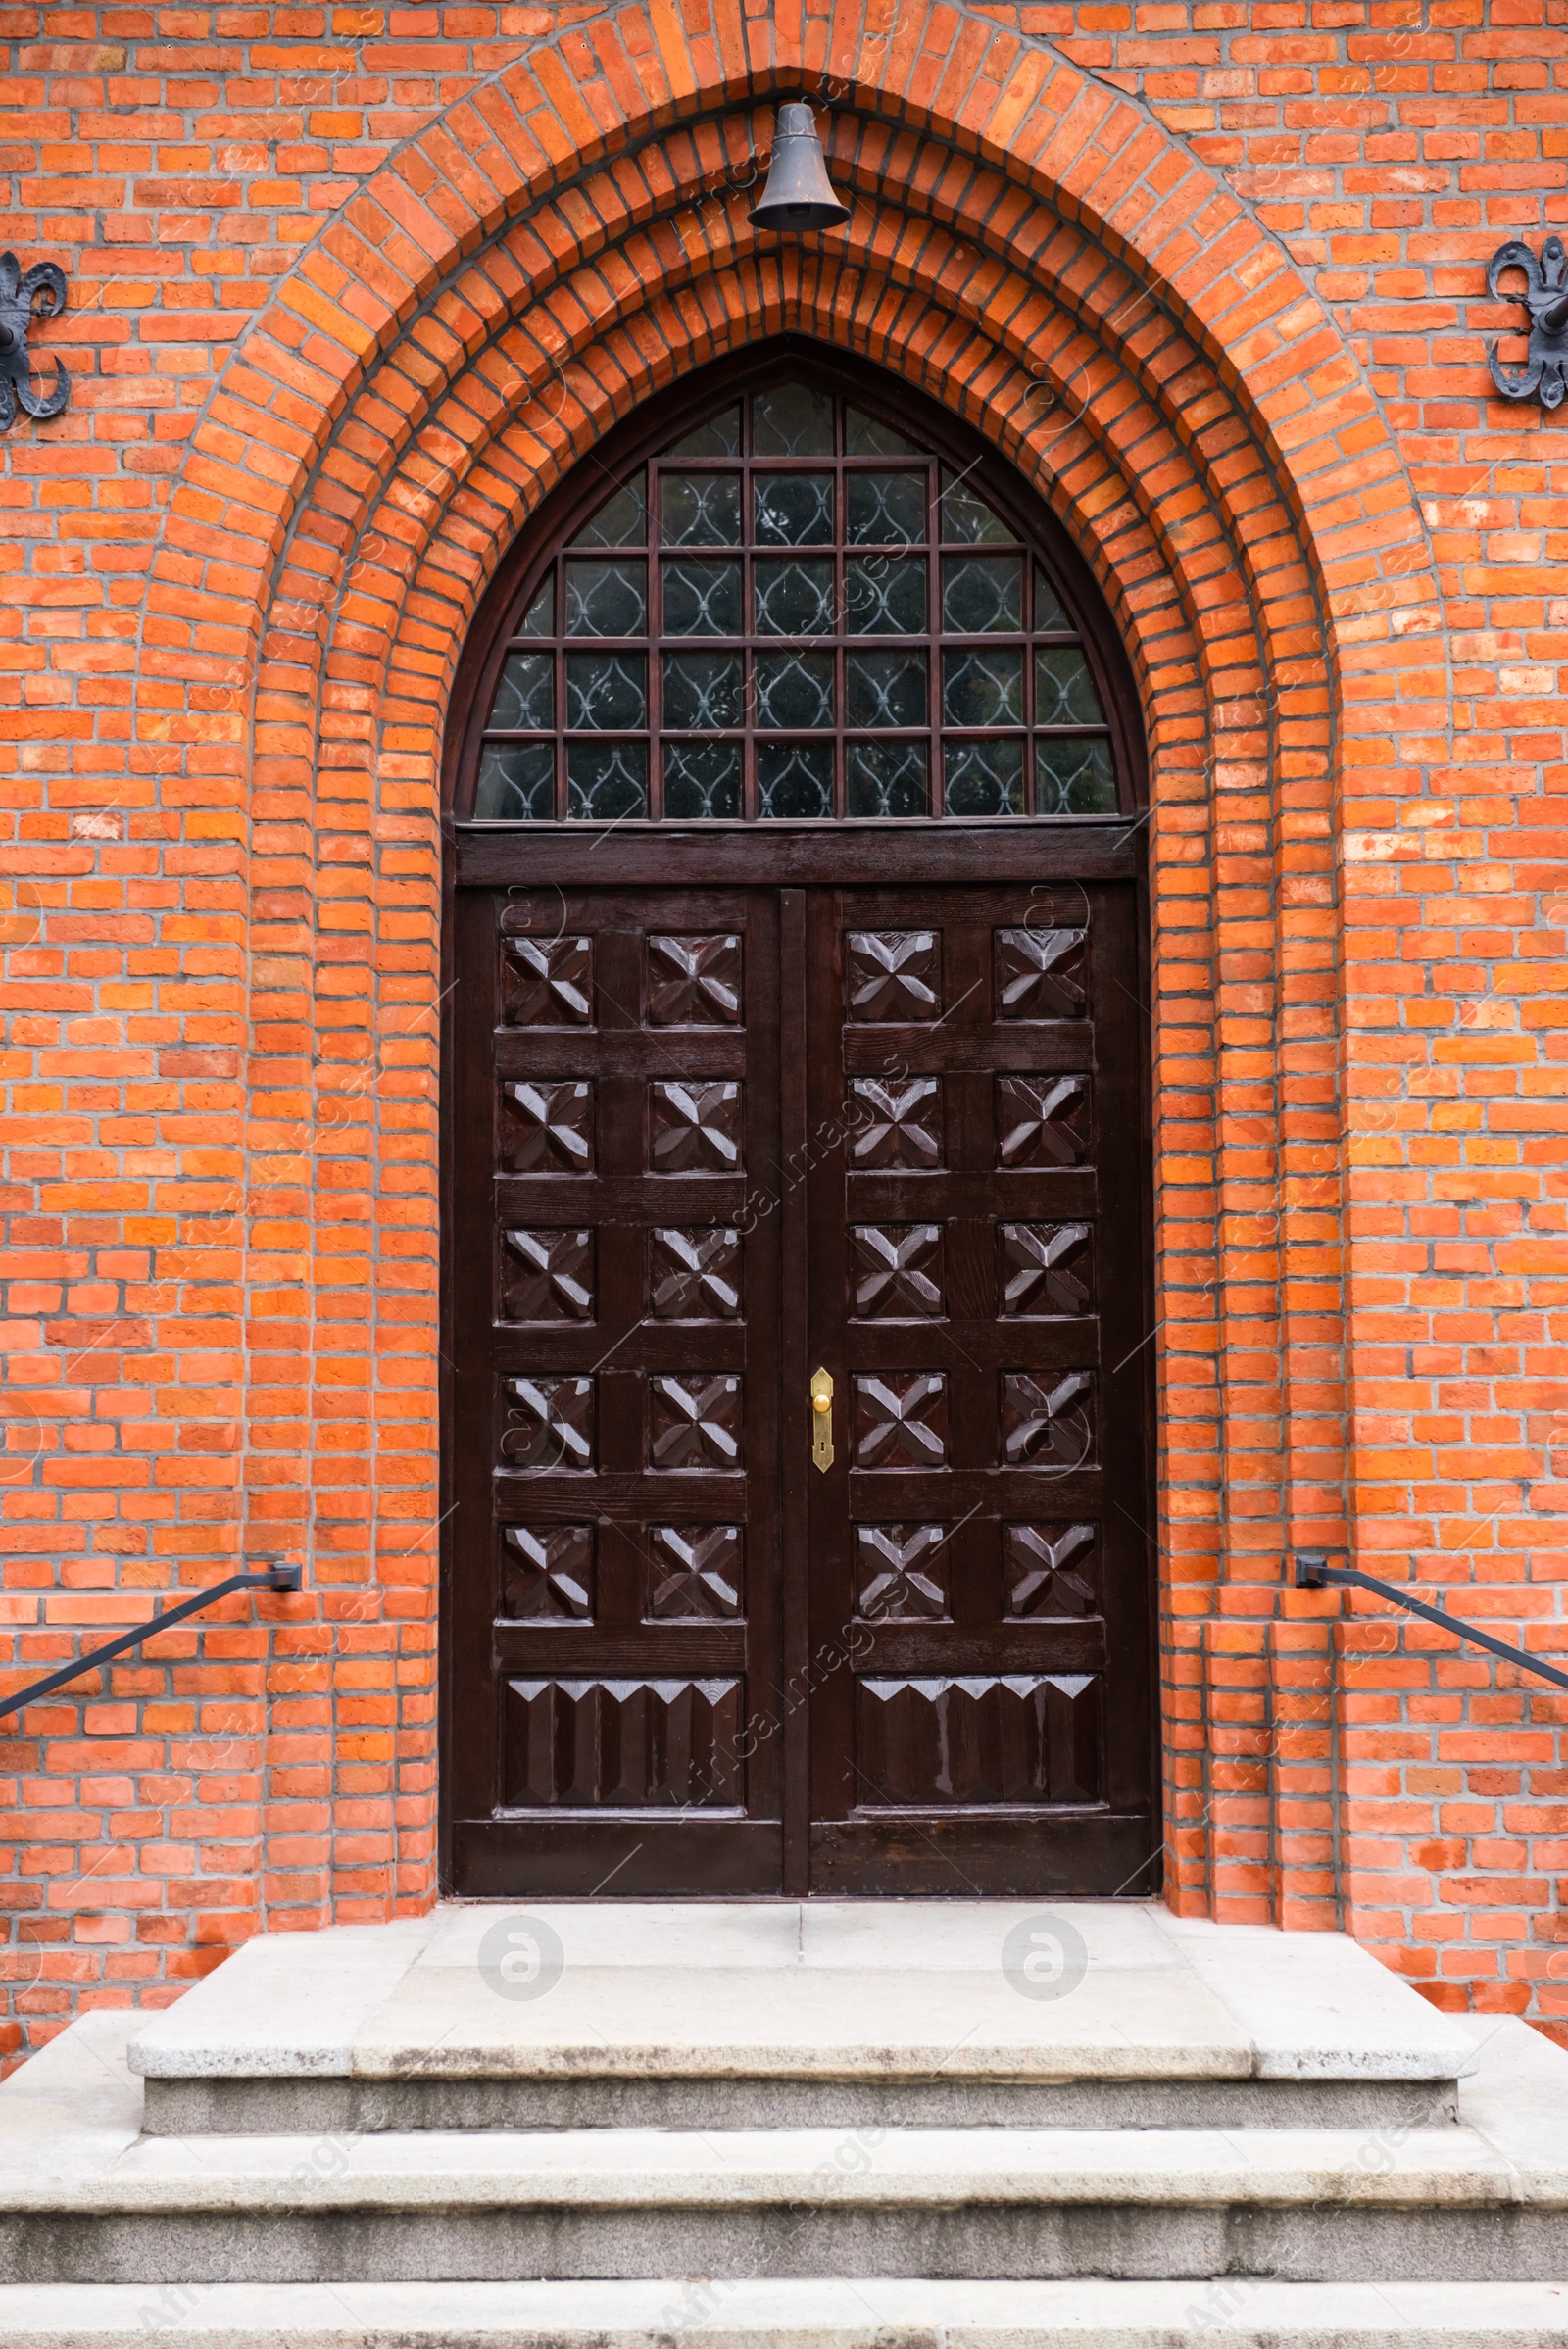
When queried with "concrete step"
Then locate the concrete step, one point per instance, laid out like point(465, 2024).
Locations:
point(762, 2314)
point(768, 2015)
point(85, 2198)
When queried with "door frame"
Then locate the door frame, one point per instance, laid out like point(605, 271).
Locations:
point(792, 859)
point(791, 856)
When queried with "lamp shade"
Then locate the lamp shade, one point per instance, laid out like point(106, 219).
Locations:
point(799, 193)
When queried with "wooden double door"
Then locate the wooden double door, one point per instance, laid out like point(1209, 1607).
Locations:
point(798, 1401)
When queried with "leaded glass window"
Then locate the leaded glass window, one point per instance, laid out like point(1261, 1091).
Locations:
point(795, 614)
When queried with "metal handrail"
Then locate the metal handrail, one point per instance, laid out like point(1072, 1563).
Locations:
point(1313, 1571)
point(276, 1577)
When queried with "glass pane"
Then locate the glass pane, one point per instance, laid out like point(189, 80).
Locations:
point(984, 778)
point(882, 597)
point(793, 509)
point(527, 693)
point(791, 419)
point(721, 436)
point(702, 599)
point(965, 515)
point(864, 436)
point(982, 688)
point(982, 594)
point(621, 520)
point(702, 778)
point(886, 778)
point(795, 778)
point(1074, 775)
point(703, 691)
point(794, 599)
point(699, 509)
point(886, 689)
point(606, 598)
point(540, 618)
point(517, 782)
point(608, 691)
point(606, 780)
point(1049, 614)
point(887, 509)
point(795, 689)
point(1064, 691)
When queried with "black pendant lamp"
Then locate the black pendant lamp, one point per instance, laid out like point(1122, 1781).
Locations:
point(799, 193)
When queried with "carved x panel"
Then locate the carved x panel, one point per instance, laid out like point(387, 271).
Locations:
point(1043, 1121)
point(695, 1572)
point(1039, 974)
point(547, 1128)
point(894, 974)
point(895, 1271)
point(901, 1420)
point(1042, 1578)
point(547, 982)
point(547, 1275)
point(547, 1570)
point(694, 982)
point(901, 1573)
point(1045, 1268)
point(695, 1274)
point(549, 1423)
point(695, 1127)
point(694, 1421)
point(897, 1124)
point(1046, 1421)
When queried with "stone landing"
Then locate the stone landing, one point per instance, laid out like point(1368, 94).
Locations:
point(815, 2128)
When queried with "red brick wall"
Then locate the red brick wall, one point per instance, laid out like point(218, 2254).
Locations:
point(347, 292)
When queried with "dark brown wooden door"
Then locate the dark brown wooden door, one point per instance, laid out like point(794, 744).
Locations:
point(615, 1397)
point(976, 1296)
point(708, 1140)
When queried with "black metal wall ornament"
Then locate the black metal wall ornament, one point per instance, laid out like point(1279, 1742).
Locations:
point(1546, 293)
point(42, 289)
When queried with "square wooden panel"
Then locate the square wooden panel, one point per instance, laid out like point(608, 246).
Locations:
point(1042, 1121)
point(901, 1573)
point(1046, 1566)
point(1041, 973)
point(895, 1123)
point(1045, 1268)
point(549, 1424)
point(901, 1420)
point(547, 1275)
point(893, 976)
point(694, 1573)
point(1047, 1419)
point(546, 1572)
point(695, 1125)
point(694, 1272)
point(895, 1271)
point(547, 1127)
point(694, 1421)
point(547, 982)
point(694, 982)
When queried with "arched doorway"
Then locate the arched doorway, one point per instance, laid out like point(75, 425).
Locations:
point(797, 1198)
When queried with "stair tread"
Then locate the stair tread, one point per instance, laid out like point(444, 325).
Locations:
point(651, 2168)
point(884, 1991)
point(1231, 2313)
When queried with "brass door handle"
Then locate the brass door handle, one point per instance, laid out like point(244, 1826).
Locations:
point(821, 1419)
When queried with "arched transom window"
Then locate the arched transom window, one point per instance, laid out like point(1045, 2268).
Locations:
point(793, 612)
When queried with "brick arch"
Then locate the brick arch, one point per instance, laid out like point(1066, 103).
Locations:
point(1181, 474)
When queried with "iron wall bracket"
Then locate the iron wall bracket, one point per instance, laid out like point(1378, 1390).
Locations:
point(1546, 294)
point(42, 289)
